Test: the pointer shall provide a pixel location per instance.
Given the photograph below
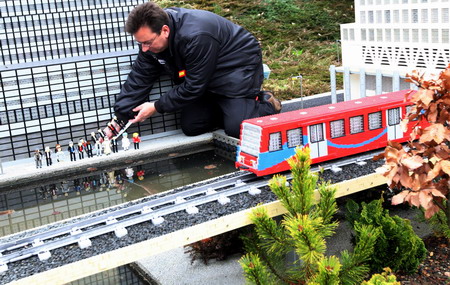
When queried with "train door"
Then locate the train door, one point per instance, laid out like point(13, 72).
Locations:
point(317, 140)
point(393, 123)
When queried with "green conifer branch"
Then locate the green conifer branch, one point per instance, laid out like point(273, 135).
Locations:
point(272, 236)
point(254, 270)
point(354, 265)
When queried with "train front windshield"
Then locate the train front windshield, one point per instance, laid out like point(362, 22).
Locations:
point(251, 139)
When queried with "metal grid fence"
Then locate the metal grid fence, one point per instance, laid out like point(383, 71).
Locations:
point(63, 65)
point(37, 30)
point(57, 102)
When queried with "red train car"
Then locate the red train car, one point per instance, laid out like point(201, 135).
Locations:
point(330, 131)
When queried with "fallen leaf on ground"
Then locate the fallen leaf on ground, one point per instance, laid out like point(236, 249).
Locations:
point(210, 166)
point(7, 212)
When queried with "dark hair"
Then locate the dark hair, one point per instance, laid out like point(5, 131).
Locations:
point(148, 14)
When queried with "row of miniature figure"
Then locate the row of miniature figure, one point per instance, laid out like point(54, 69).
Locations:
point(99, 144)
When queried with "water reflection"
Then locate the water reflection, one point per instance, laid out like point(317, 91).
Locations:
point(43, 204)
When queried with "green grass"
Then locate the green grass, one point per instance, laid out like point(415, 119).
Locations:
point(297, 37)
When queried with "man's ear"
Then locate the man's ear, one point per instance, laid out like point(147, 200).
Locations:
point(165, 31)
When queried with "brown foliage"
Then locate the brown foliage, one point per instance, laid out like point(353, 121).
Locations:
point(422, 170)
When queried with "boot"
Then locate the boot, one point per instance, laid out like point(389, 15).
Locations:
point(267, 96)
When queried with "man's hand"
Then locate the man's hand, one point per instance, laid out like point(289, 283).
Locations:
point(145, 111)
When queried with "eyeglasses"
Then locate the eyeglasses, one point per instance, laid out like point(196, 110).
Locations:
point(148, 43)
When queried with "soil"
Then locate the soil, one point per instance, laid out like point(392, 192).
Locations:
point(435, 269)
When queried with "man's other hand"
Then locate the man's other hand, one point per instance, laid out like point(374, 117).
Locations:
point(145, 111)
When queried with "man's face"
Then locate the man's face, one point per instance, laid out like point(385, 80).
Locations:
point(151, 41)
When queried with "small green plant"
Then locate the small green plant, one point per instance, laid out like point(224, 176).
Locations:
point(384, 278)
point(303, 231)
point(280, 10)
point(397, 246)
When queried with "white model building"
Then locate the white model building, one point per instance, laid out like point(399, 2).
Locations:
point(391, 38)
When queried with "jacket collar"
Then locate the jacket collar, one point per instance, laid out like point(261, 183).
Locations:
point(169, 12)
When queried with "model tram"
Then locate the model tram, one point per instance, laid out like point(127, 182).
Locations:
point(330, 131)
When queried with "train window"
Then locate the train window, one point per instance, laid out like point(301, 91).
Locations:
point(294, 137)
point(316, 133)
point(356, 124)
point(394, 116)
point(375, 121)
point(337, 128)
point(275, 141)
point(409, 108)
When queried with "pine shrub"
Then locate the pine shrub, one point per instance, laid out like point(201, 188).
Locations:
point(303, 231)
point(397, 246)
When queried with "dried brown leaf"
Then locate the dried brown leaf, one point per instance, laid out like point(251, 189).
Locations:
point(437, 193)
point(432, 113)
point(210, 166)
point(412, 162)
point(423, 96)
point(431, 211)
point(413, 199)
point(440, 152)
point(395, 145)
point(399, 198)
point(425, 198)
point(434, 172)
point(392, 174)
point(378, 156)
point(435, 132)
point(445, 77)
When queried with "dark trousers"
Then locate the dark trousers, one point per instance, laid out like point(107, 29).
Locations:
point(213, 111)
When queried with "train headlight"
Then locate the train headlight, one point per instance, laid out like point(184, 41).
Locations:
point(254, 163)
point(241, 159)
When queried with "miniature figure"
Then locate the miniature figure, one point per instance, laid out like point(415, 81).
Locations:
point(115, 128)
point(93, 138)
point(125, 141)
point(38, 158)
point(77, 186)
point(112, 129)
point(64, 188)
point(129, 172)
point(71, 149)
point(136, 140)
point(59, 153)
point(102, 134)
point(53, 190)
point(106, 146)
point(111, 178)
point(81, 149)
point(48, 155)
point(89, 149)
point(114, 144)
point(98, 148)
point(87, 184)
point(140, 174)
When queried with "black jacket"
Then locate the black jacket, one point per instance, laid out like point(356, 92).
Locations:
point(206, 53)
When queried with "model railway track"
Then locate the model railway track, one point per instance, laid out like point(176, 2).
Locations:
point(81, 232)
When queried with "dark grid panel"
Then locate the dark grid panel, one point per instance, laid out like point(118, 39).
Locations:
point(49, 104)
point(11, 8)
point(122, 275)
point(43, 30)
